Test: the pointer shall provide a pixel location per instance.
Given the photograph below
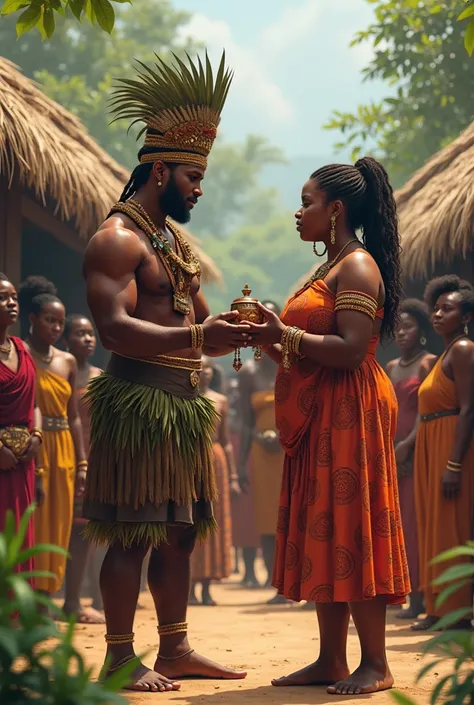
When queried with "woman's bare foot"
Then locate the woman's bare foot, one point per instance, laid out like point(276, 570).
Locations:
point(317, 673)
point(427, 623)
point(85, 616)
point(192, 665)
point(368, 678)
point(143, 679)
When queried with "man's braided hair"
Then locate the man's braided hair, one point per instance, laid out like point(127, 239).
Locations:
point(365, 191)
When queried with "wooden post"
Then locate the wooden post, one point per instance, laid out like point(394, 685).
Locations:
point(10, 231)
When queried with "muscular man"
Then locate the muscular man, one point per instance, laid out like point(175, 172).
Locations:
point(150, 480)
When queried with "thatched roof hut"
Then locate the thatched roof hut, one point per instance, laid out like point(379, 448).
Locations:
point(436, 210)
point(49, 163)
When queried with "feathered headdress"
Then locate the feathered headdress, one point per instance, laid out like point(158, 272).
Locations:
point(180, 106)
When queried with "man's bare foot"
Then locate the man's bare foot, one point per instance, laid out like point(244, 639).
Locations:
point(192, 665)
point(427, 623)
point(317, 673)
point(142, 678)
point(368, 678)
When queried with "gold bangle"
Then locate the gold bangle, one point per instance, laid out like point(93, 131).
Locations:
point(40, 472)
point(82, 464)
point(37, 433)
point(454, 467)
point(197, 336)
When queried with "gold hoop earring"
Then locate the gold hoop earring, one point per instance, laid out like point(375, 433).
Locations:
point(333, 229)
point(423, 341)
point(466, 329)
point(319, 254)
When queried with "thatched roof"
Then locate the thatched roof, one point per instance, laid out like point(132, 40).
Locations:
point(48, 149)
point(436, 208)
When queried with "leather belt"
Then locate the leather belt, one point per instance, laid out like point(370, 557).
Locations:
point(51, 423)
point(439, 415)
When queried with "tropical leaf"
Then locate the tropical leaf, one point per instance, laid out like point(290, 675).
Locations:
point(450, 590)
point(10, 6)
point(452, 553)
point(401, 698)
point(104, 13)
point(449, 620)
point(455, 572)
point(28, 19)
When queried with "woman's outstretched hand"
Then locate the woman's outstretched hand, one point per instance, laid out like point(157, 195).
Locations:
point(269, 332)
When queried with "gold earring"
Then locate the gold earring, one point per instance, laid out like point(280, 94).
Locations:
point(333, 229)
point(423, 340)
point(466, 329)
point(30, 330)
point(319, 254)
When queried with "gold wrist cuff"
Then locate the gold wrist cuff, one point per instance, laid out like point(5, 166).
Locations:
point(197, 336)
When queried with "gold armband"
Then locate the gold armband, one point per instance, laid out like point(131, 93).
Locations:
point(356, 301)
point(290, 344)
point(82, 465)
point(197, 336)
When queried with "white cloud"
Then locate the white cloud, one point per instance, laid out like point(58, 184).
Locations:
point(252, 86)
point(293, 25)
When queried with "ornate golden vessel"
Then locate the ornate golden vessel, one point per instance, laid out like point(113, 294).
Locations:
point(248, 310)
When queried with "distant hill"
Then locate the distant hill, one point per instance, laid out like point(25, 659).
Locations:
point(289, 178)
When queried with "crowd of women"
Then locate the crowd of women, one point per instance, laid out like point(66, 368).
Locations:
point(349, 479)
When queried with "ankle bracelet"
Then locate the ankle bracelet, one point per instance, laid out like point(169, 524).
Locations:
point(119, 638)
point(170, 629)
point(175, 658)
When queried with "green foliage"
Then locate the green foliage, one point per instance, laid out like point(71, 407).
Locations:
point(38, 662)
point(41, 13)
point(454, 646)
point(418, 50)
point(468, 14)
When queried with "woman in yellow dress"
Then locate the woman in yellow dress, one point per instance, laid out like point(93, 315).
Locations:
point(63, 448)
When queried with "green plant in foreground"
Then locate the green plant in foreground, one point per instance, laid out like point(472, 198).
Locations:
point(456, 646)
point(38, 661)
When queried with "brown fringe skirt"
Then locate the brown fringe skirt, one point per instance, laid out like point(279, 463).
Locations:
point(150, 460)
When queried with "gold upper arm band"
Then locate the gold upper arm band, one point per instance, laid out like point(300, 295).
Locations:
point(356, 301)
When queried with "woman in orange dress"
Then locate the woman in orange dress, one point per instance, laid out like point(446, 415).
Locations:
point(444, 455)
point(212, 558)
point(79, 335)
point(339, 538)
point(406, 374)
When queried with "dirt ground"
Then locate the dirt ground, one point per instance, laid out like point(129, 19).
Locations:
point(267, 641)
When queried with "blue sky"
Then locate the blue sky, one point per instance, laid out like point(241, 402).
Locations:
point(292, 62)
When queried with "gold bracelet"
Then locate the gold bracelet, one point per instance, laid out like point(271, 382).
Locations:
point(40, 472)
point(454, 467)
point(197, 336)
point(82, 464)
point(290, 344)
point(37, 433)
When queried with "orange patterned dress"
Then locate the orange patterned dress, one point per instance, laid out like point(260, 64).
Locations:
point(339, 534)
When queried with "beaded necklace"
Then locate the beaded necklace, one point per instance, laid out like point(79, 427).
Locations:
point(181, 270)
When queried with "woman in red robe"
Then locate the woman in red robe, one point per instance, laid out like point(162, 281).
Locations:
point(20, 420)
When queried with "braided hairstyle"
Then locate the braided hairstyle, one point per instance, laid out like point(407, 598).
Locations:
point(367, 195)
point(141, 173)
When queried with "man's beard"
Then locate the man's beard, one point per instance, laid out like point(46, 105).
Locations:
point(173, 204)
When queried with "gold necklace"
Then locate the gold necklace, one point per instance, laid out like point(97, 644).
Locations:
point(181, 270)
point(407, 363)
point(44, 358)
point(325, 268)
point(6, 347)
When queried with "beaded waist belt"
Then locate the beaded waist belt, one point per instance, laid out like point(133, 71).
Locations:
point(439, 415)
point(52, 423)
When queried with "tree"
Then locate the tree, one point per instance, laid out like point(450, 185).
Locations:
point(418, 51)
point(42, 13)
